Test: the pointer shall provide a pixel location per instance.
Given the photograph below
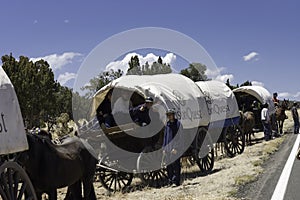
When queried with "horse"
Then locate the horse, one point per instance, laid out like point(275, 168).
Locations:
point(280, 114)
point(51, 166)
point(247, 122)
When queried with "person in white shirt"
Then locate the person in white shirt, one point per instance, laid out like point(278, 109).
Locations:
point(265, 118)
point(121, 107)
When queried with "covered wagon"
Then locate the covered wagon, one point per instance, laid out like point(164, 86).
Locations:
point(224, 116)
point(14, 182)
point(131, 148)
point(207, 110)
point(252, 98)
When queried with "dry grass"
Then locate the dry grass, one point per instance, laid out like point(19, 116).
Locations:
point(273, 146)
point(242, 180)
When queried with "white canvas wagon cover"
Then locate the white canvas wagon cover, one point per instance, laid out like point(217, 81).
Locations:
point(173, 90)
point(12, 133)
point(220, 100)
point(260, 93)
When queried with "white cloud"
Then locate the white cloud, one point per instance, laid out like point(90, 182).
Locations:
point(57, 61)
point(257, 83)
point(35, 21)
point(284, 95)
point(297, 95)
point(169, 58)
point(64, 78)
point(66, 21)
point(223, 78)
point(291, 96)
point(213, 73)
point(216, 74)
point(251, 56)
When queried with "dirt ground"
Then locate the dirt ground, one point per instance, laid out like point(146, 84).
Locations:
point(221, 184)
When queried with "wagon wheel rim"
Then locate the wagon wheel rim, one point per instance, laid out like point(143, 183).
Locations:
point(205, 157)
point(114, 181)
point(206, 163)
point(234, 140)
point(15, 183)
point(155, 178)
point(200, 137)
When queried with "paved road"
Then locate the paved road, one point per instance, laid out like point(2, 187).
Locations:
point(293, 187)
point(264, 187)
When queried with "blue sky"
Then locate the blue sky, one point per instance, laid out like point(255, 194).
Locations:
point(66, 31)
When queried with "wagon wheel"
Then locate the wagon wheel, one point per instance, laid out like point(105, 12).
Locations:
point(145, 165)
point(156, 178)
point(205, 157)
point(234, 140)
point(113, 180)
point(206, 164)
point(14, 183)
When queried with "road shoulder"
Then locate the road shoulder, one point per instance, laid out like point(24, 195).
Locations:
point(266, 182)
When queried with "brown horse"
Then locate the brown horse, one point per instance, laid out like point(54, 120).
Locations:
point(280, 114)
point(247, 122)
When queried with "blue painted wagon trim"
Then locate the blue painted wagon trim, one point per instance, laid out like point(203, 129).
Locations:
point(225, 123)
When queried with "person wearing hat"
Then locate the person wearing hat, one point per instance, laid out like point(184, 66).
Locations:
point(140, 114)
point(171, 147)
point(266, 121)
point(295, 117)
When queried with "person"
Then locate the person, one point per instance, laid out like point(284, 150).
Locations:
point(171, 148)
point(295, 117)
point(255, 108)
point(255, 105)
point(104, 114)
point(122, 104)
point(266, 121)
point(121, 107)
point(274, 125)
point(275, 100)
point(140, 113)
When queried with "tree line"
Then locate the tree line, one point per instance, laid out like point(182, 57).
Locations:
point(41, 98)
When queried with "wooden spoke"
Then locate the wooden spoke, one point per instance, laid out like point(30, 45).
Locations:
point(234, 140)
point(114, 181)
point(155, 178)
point(204, 156)
point(206, 163)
